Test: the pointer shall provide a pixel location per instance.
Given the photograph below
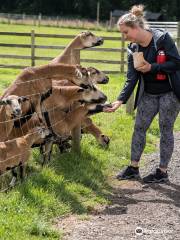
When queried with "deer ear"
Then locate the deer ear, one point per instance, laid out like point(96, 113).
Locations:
point(89, 73)
point(89, 68)
point(78, 66)
point(82, 35)
point(85, 34)
point(78, 73)
point(23, 99)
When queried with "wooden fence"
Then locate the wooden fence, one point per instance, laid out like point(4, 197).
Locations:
point(169, 26)
point(33, 46)
point(44, 20)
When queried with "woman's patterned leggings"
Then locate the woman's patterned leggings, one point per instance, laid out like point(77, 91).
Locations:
point(168, 107)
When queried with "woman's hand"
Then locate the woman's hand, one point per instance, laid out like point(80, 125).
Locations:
point(115, 106)
point(146, 67)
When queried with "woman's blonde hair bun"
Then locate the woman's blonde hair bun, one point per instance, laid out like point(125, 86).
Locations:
point(137, 10)
point(134, 17)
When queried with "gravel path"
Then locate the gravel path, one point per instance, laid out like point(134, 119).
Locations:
point(136, 211)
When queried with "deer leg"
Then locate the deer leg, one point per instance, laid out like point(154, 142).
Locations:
point(22, 171)
point(38, 109)
point(14, 178)
point(46, 152)
point(89, 127)
point(64, 146)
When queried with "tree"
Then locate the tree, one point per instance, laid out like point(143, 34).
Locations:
point(87, 8)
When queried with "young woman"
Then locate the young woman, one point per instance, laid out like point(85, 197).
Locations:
point(158, 90)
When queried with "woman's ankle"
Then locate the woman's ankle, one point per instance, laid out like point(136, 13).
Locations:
point(163, 169)
point(134, 164)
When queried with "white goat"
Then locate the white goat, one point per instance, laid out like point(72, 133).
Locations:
point(9, 111)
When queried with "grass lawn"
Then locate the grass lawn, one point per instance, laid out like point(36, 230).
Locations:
point(71, 183)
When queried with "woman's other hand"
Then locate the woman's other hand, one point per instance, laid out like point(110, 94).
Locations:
point(115, 106)
point(146, 67)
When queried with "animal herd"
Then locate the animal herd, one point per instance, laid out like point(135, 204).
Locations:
point(45, 103)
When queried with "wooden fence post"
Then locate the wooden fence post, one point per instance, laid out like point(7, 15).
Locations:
point(122, 54)
point(23, 18)
point(130, 102)
point(9, 19)
point(130, 105)
point(32, 48)
point(97, 17)
point(76, 132)
point(110, 20)
point(39, 19)
point(34, 20)
point(178, 36)
point(57, 21)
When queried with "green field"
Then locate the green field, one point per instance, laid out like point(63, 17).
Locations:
point(70, 183)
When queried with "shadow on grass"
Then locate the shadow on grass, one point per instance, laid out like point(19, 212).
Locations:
point(70, 178)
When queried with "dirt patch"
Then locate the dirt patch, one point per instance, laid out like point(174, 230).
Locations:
point(137, 211)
